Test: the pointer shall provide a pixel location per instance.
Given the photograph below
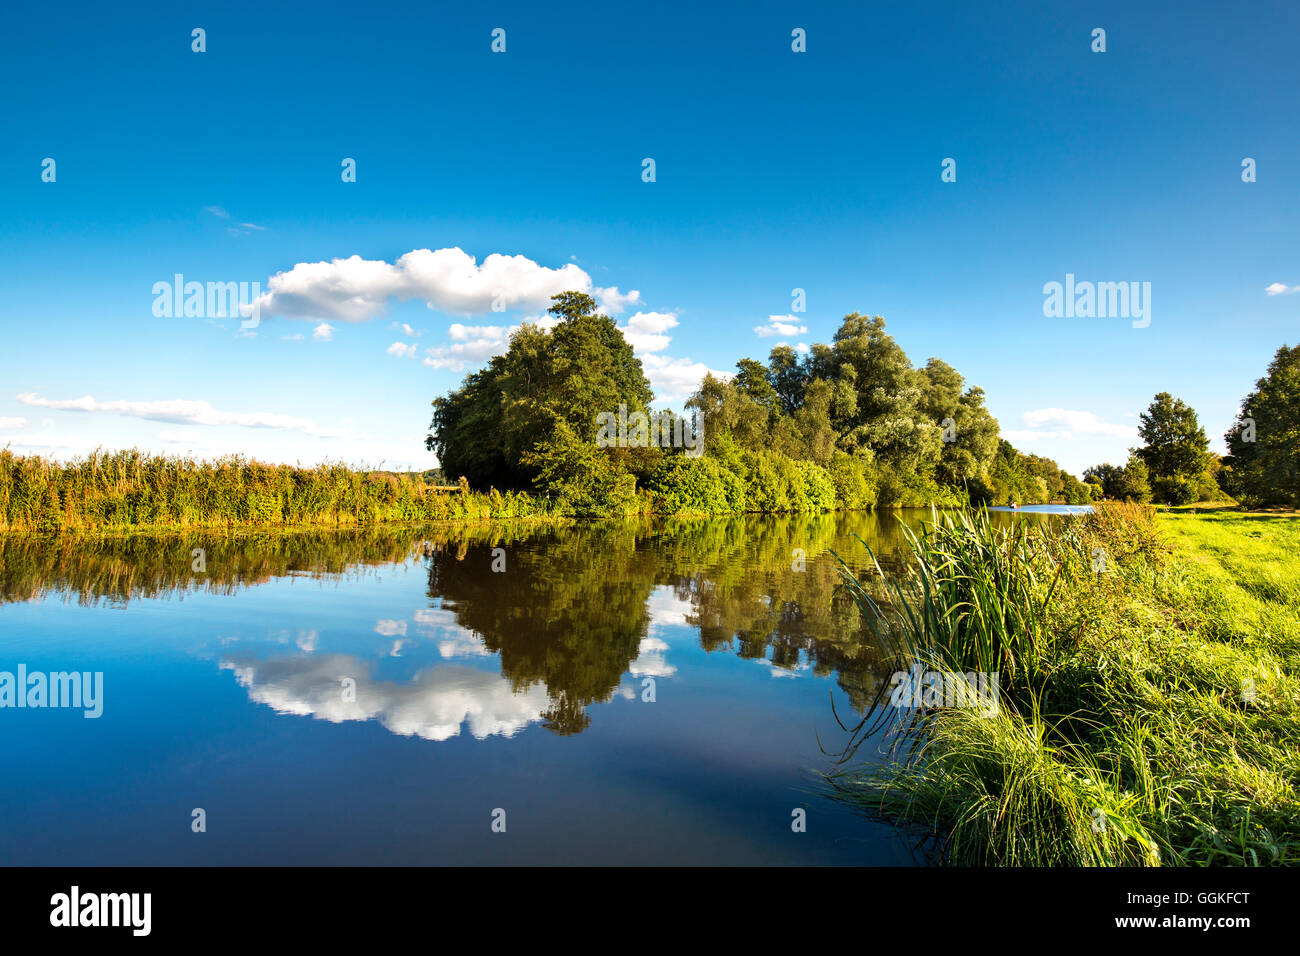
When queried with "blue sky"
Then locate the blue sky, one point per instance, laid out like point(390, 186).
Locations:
point(775, 170)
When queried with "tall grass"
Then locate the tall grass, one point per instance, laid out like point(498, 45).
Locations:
point(131, 490)
point(1126, 734)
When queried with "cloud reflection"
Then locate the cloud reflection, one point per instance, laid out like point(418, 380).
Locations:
point(434, 706)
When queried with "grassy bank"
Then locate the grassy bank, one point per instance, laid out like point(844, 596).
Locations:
point(1149, 697)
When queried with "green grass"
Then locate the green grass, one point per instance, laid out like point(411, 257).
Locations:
point(1152, 713)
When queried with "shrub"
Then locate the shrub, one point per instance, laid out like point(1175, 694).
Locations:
point(819, 490)
point(580, 477)
point(1174, 490)
point(683, 484)
point(851, 478)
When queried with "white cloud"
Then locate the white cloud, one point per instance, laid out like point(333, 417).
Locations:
point(1280, 288)
point(8, 423)
point(780, 325)
point(1070, 422)
point(674, 379)
point(612, 302)
point(408, 330)
point(323, 332)
point(181, 411)
point(449, 280)
point(390, 628)
point(645, 331)
point(401, 350)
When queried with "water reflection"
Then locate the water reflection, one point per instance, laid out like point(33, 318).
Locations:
point(434, 706)
point(577, 617)
point(370, 696)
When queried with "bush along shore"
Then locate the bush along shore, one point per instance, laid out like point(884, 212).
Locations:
point(1146, 693)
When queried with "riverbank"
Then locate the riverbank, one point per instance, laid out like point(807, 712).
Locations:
point(128, 492)
point(1149, 693)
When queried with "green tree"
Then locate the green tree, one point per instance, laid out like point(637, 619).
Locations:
point(1176, 451)
point(1263, 462)
point(1134, 481)
point(789, 377)
point(490, 428)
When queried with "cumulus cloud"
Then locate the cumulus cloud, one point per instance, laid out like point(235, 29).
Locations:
point(401, 350)
point(181, 411)
point(780, 325)
point(9, 423)
point(1281, 288)
point(612, 302)
point(645, 331)
point(323, 332)
point(390, 628)
point(449, 280)
point(674, 379)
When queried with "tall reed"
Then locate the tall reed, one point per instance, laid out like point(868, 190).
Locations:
point(131, 490)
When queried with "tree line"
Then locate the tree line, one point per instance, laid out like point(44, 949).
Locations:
point(850, 424)
point(1175, 466)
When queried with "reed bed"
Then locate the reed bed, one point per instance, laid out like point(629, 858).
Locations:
point(130, 490)
point(1147, 713)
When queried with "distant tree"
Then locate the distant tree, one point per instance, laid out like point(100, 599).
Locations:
point(1130, 483)
point(1176, 451)
point(1263, 461)
point(1134, 482)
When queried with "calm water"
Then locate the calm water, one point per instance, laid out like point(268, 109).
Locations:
point(374, 698)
